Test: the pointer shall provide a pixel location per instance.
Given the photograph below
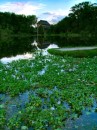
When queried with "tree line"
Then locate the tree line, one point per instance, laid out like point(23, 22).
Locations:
point(10, 23)
point(82, 19)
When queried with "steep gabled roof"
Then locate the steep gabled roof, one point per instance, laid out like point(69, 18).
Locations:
point(43, 22)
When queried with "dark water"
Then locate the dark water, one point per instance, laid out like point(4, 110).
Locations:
point(14, 46)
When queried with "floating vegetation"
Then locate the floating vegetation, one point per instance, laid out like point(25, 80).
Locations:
point(47, 92)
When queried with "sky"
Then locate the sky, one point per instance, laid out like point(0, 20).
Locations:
point(50, 10)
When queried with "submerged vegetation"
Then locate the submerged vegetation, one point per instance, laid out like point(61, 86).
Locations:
point(60, 88)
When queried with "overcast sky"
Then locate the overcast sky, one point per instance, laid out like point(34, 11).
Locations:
point(50, 10)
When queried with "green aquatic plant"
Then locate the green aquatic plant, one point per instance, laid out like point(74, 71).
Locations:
point(2, 116)
point(63, 87)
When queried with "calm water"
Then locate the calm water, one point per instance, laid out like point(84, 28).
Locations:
point(15, 48)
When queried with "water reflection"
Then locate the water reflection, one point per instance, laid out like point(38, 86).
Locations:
point(43, 42)
point(6, 60)
point(15, 48)
point(73, 41)
point(43, 47)
point(84, 122)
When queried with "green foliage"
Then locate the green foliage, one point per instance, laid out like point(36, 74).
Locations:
point(2, 116)
point(82, 19)
point(11, 23)
point(62, 87)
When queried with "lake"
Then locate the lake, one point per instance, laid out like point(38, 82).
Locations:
point(15, 48)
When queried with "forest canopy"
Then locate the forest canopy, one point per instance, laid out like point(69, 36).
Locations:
point(81, 19)
point(11, 23)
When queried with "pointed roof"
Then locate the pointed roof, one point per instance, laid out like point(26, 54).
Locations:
point(43, 22)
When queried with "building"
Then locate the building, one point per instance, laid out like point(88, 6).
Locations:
point(44, 24)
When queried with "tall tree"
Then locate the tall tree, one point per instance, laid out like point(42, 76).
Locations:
point(82, 19)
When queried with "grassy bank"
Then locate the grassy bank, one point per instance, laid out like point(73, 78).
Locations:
point(74, 53)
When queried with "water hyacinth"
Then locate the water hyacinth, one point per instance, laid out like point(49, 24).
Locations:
point(24, 128)
point(56, 89)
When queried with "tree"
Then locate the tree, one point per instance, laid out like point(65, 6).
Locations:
point(83, 18)
point(16, 24)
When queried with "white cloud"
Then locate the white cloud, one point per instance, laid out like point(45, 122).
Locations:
point(54, 16)
point(27, 8)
